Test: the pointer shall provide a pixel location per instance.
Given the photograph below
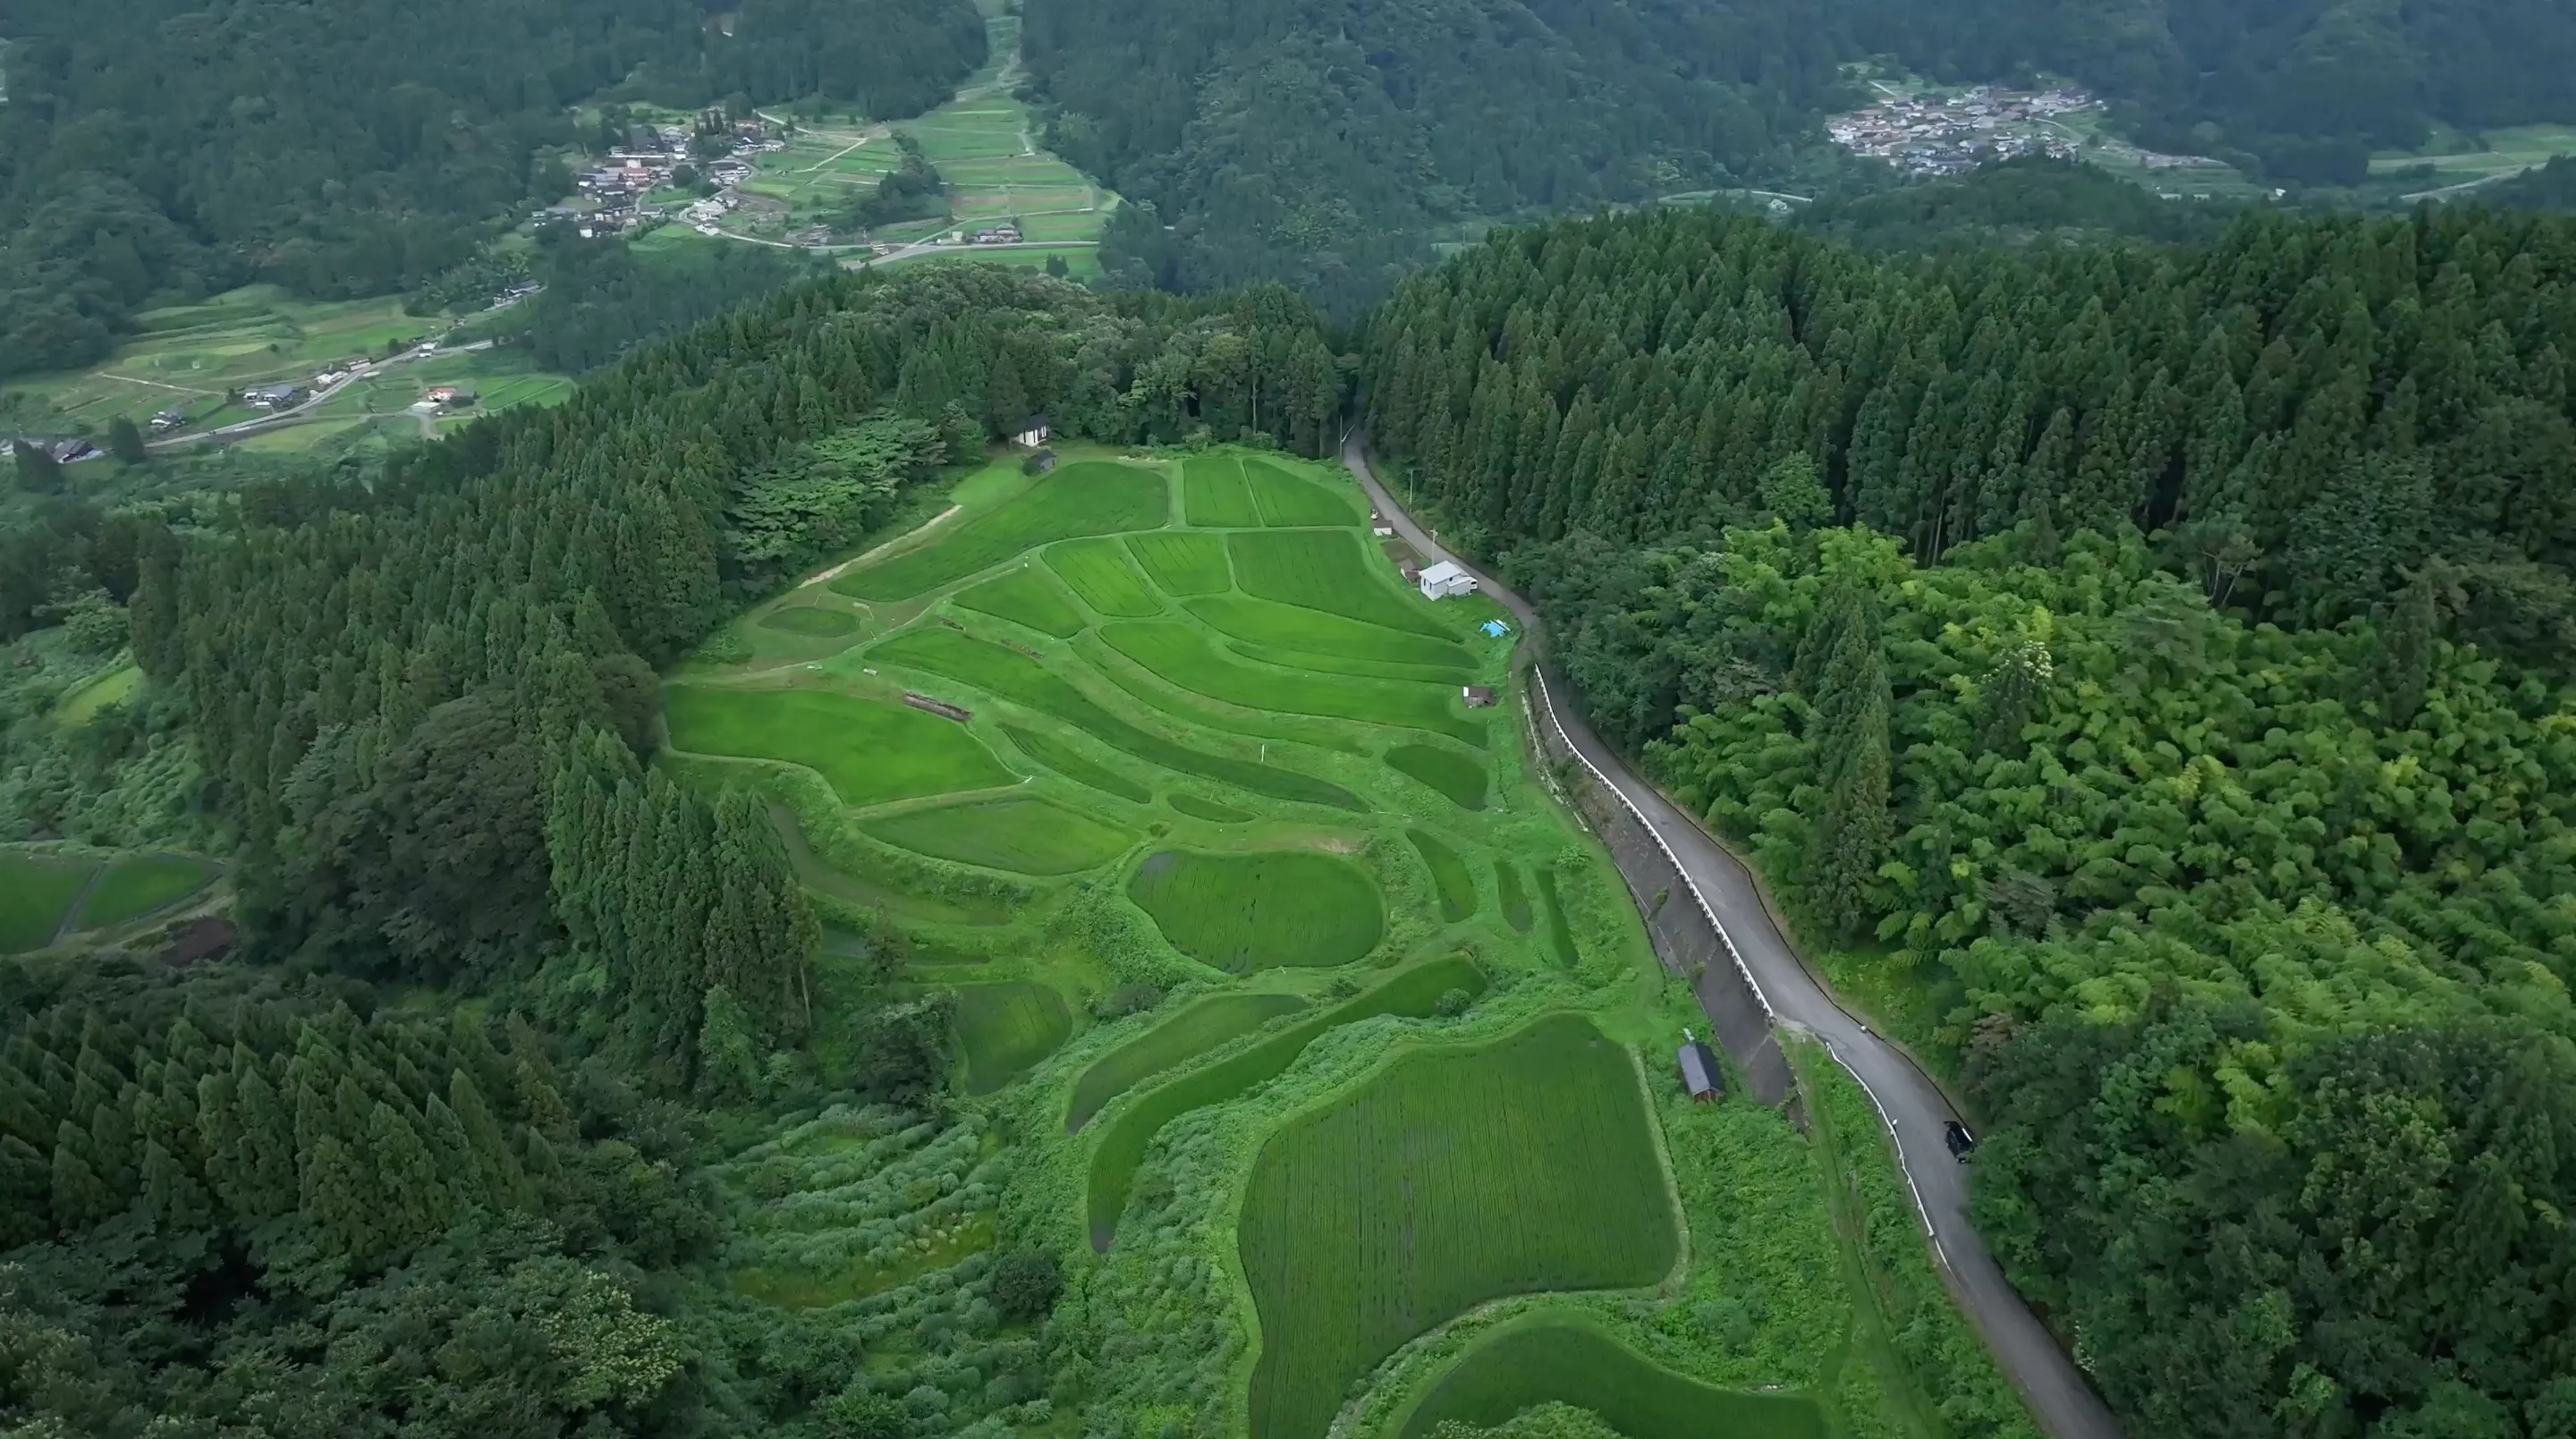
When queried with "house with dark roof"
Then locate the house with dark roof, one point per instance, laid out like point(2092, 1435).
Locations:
point(1700, 1074)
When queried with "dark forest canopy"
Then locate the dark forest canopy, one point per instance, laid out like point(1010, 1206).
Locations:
point(2022, 201)
point(1323, 145)
point(152, 148)
point(432, 1160)
point(2162, 654)
point(2306, 89)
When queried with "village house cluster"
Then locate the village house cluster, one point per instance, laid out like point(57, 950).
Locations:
point(1931, 134)
point(647, 161)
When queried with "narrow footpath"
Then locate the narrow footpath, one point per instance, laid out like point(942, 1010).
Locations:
point(1913, 1107)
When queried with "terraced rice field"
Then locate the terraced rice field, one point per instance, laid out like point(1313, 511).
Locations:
point(1181, 655)
point(1571, 1360)
point(1243, 912)
point(1456, 1176)
point(1413, 994)
point(1455, 775)
point(1024, 681)
point(1202, 1026)
point(1293, 500)
point(1184, 562)
point(1101, 572)
point(34, 892)
point(1091, 497)
point(1449, 875)
point(1214, 493)
point(1006, 1028)
point(135, 887)
point(1207, 809)
point(1026, 596)
point(869, 751)
point(1325, 570)
point(1309, 632)
point(1064, 759)
point(1023, 836)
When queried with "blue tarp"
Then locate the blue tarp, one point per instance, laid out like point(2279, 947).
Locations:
point(1496, 627)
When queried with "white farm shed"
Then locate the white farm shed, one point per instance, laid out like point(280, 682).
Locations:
point(1445, 579)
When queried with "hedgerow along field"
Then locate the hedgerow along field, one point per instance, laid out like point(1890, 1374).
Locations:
point(1568, 1359)
point(1455, 1176)
point(869, 751)
point(1412, 994)
point(1243, 912)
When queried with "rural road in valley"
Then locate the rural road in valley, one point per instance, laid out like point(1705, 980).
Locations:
point(1913, 1106)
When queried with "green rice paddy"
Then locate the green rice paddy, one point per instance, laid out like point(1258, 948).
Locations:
point(1065, 760)
point(1243, 912)
point(1182, 655)
point(1326, 570)
point(1090, 497)
point(1025, 681)
point(1449, 875)
point(1022, 835)
point(1184, 562)
point(1560, 935)
point(138, 886)
point(1207, 809)
point(869, 751)
point(1413, 994)
point(1456, 1176)
point(113, 688)
point(1293, 500)
point(1204, 1025)
point(812, 621)
point(1214, 493)
point(1026, 596)
point(34, 892)
point(1516, 905)
point(1567, 1359)
point(1305, 631)
point(1453, 774)
point(1101, 572)
point(1006, 1028)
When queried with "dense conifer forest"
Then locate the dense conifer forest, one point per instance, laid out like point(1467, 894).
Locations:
point(2304, 89)
point(152, 150)
point(2157, 662)
point(431, 1159)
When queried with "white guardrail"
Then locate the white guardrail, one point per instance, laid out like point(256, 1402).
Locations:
point(1708, 911)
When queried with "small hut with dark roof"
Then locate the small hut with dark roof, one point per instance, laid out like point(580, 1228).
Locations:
point(1700, 1074)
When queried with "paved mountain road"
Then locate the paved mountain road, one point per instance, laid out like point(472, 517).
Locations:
point(1913, 1106)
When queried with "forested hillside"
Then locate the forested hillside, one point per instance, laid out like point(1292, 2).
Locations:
point(150, 148)
point(435, 1166)
point(2304, 88)
point(2158, 659)
point(1322, 146)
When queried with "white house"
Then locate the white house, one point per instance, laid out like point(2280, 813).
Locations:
point(1032, 432)
point(1445, 579)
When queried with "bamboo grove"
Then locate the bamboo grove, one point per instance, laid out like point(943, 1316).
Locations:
point(2144, 673)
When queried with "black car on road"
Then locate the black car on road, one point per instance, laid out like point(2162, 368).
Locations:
point(1956, 1135)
